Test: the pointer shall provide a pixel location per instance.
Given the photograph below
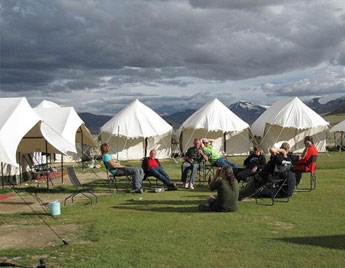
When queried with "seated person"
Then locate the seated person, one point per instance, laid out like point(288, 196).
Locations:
point(254, 163)
point(117, 169)
point(304, 162)
point(193, 158)
point(227, 192)
point(213, 157)
point(152, 167)
point(263, 177)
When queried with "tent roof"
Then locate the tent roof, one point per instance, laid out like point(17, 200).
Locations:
point(65, 121)
point(288, 113)
point(214, 116)
point(338, 127)
point(19, 121)
point(136, 120)
point(47, 104)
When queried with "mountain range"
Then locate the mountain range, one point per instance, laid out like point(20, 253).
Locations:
point(247, 111)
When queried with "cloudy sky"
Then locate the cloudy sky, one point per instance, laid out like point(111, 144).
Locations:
point(99, 55)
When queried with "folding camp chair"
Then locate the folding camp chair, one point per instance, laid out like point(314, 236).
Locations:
point(312, 171)
point(112, 179)
point(80, 189)
point(277, 185)
point(206, 170)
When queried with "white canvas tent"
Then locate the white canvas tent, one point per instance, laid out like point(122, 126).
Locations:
point(22, 131)
point(339, 130)
point(289, 119)
point(215, 121)
point(66, 122)
point(136, 129)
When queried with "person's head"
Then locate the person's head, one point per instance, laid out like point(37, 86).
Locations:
point(153, 153)
point(257, 149)
point(308, 140)
point(285, 146)
point(196, 143)
point(105, 148)
point(227, 174)
point(205, 141)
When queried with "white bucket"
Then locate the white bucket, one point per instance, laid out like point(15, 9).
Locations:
point(54, 208)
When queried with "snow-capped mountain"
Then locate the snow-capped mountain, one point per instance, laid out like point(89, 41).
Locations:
point(247, 111)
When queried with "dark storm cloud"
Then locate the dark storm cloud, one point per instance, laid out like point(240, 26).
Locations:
point(70, 45)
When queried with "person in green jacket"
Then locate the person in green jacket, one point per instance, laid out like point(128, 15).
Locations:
point(227, 192)
point(213, 157)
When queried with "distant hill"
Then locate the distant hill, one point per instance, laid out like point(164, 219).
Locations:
point(93, 122)
point(247, 111)
point(325, 105)
point(176, 119)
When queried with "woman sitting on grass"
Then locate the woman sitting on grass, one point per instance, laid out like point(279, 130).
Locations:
point(227, 192)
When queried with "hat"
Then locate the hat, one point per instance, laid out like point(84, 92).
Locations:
point(204, 140)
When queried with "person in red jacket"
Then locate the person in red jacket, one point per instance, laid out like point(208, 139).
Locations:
point(305, 164)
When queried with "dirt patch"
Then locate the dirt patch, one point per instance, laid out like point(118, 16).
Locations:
point(39, 202)
point(15, 236)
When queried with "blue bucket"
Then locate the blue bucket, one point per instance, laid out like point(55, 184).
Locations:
point(54, 208)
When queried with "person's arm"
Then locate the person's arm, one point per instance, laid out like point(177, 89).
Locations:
point(114, 164)
point(213, 180)
point(203, 154)
point(275, 151)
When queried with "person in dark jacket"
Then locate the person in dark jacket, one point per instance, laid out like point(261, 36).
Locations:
point(278, 156)
point(152, 167)
point(254, 163)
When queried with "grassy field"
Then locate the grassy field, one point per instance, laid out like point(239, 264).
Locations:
point(167, 230)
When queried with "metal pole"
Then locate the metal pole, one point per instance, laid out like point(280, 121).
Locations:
point(224, 142)
point(82, 147)
point(47, 174)
point(20, 169)
point(2, 176)
point(117, 143)
point(62, 168)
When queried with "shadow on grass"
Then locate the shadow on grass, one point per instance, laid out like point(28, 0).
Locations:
point(329, 241)
point(161, 209)
point(177, 205)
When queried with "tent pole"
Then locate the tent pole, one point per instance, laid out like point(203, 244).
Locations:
point(47, 174)
point(62, 168)
point(224, 142)
point(117, 143)
point(20, 169)
point(82, 148)
point(2, 176)
point(145, 146)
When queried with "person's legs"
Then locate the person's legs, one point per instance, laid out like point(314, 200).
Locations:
point(298, 175)
point(195, 167)
point(220, 162)
point(160, 174)
point(248, 190)
point(138, 175)
point(243, 174)
point(184, 171)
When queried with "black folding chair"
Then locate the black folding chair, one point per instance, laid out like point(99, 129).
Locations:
point(277, 185)
point(206, 170)
point(80, 189)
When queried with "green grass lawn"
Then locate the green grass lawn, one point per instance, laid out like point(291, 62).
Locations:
point(167, 230)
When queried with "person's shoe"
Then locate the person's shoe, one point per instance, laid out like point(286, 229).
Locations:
point(191, 186)
point(185, 185)
point(172, 187)
point(137, 191)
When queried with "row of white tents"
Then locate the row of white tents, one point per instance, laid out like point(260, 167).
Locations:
point(137, 129)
